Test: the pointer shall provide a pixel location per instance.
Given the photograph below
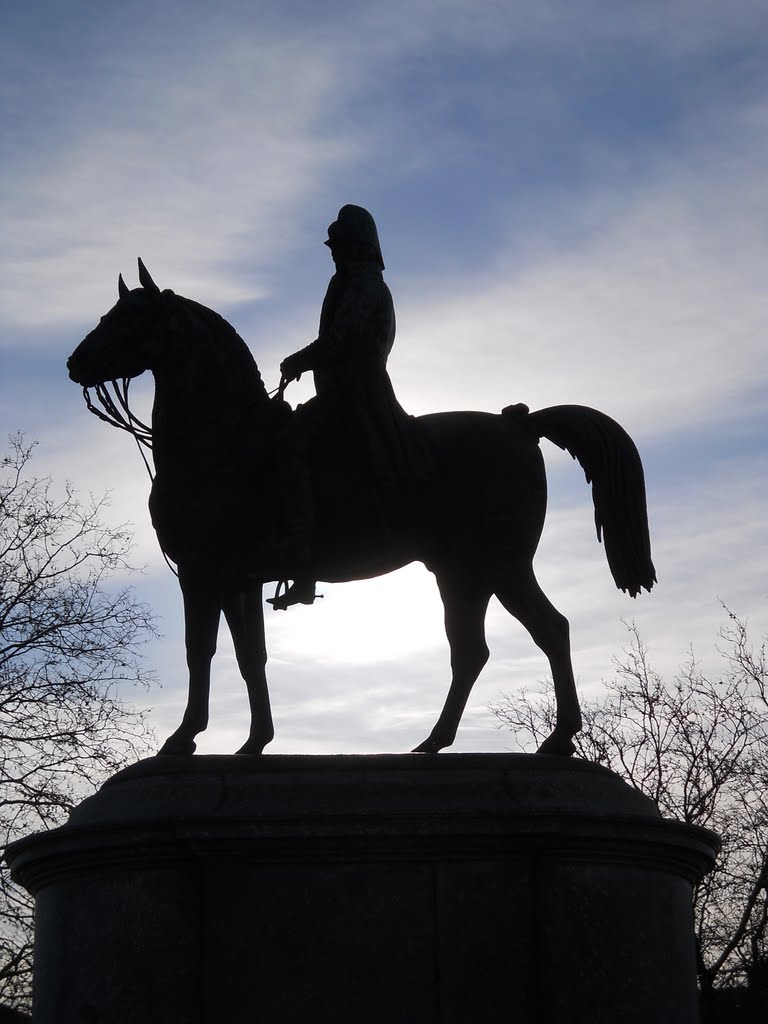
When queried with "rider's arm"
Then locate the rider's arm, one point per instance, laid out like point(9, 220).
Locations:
point(360, 326)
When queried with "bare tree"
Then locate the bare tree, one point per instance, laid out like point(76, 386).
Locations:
point(69, 638)
point(698, 746)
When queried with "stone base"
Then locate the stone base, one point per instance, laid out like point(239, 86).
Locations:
point(457, 888)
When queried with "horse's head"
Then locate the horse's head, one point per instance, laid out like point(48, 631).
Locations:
point(124, 343)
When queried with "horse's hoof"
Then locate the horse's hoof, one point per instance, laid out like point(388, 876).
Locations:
point(177, 746)
point(429, 746)
point(252, 748)
point(559, 745)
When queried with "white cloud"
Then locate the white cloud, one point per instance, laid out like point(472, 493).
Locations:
point(656, 314)
point(192, 164)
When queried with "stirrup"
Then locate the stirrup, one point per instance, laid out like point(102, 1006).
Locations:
point(295, 594)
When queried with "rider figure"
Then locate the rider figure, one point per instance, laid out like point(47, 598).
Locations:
point(354, 395)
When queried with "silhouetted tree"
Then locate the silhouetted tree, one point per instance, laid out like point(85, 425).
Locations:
point(698, 746)
point(68, 637)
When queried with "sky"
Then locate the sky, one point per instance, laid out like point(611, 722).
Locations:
point(571, 202)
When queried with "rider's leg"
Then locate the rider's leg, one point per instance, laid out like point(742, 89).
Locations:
point(294, 527)
point(293, 542)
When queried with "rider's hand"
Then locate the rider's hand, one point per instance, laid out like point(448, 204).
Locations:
point(291, 368)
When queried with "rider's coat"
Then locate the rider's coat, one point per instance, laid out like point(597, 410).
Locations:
point(353, 389)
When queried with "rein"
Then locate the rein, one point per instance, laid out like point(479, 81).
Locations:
point(124, 419)
point(118, 414)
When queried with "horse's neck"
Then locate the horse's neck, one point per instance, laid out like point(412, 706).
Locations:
point(207, 385)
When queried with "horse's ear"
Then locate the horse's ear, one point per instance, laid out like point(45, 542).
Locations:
point(122, 287)
point(146, 281)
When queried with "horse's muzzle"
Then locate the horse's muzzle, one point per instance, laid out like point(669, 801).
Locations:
point(73, 372)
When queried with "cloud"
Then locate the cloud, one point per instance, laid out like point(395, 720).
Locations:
point(205, 148)
point(194, 162)
point(679, 27)
point(654, 311)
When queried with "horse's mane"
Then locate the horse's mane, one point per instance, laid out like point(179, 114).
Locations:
point(223, 334)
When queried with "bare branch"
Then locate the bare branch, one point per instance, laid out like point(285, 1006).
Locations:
point(698, 747)
point(69, 643)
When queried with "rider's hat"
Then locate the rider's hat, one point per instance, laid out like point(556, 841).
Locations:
point(354, 224)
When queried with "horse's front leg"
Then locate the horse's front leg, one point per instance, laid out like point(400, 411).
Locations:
point(202, 612)
point(244, 612)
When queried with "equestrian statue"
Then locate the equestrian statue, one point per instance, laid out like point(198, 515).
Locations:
point(348, 486)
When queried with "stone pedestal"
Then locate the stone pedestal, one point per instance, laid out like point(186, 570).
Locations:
point(457, 888)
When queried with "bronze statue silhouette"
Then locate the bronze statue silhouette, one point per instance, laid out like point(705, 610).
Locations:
point(354, 415)
point(218, 442)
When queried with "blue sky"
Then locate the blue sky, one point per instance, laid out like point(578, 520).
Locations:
point(571, 199)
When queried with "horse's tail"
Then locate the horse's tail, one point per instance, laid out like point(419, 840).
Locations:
point(611, 463)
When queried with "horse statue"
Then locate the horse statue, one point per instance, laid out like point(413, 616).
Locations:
point(476, 526)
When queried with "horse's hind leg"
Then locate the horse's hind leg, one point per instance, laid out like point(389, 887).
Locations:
point(465, 602)
point(245, 617)
point(523, 597)
point(201, 626)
